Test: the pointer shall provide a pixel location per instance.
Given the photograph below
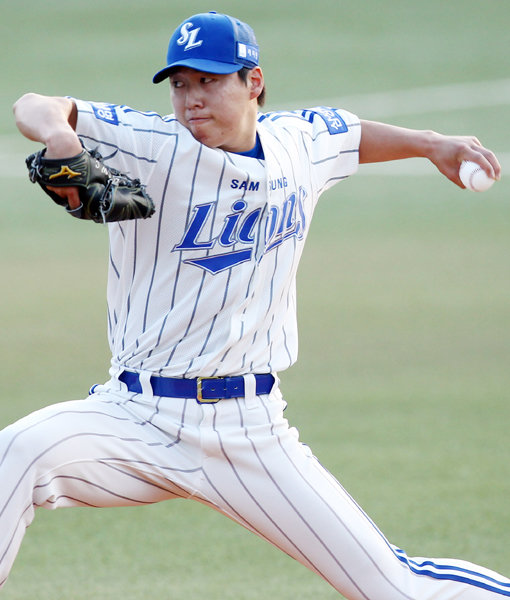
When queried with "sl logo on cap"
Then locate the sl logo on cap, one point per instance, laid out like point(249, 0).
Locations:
point(189, 37)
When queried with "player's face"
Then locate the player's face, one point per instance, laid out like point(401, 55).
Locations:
point(219, 110)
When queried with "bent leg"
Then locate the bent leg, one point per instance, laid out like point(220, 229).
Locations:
point(266, 480)
point(102, 451)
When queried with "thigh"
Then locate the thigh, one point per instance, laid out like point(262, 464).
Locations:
point(111, 449)
point(100, 451)
point(262, 476)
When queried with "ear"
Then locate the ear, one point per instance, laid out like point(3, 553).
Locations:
point(255, 82)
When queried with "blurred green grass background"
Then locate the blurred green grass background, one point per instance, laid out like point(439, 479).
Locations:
point(402, 384)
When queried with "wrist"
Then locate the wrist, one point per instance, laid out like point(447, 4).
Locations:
point(429, 143)
point(62, 143)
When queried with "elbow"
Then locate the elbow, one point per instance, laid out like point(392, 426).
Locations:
point(39, 118)
point(19, 107)
point(20, 102)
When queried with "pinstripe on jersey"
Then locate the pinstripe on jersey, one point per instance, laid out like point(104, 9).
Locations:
point(207, 286)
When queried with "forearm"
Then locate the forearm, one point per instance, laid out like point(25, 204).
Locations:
point(382, 142)
point(49, 120)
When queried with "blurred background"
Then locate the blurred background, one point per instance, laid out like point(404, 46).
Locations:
point(402, 385)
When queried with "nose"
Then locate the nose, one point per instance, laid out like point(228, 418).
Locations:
point(194, 97)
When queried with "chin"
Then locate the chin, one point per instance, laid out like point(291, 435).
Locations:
point(205, 141)
point(202, 137)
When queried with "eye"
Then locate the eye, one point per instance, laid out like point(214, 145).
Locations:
point(175, 83)
point(206, 79)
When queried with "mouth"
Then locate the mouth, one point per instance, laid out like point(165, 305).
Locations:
point(198, 120)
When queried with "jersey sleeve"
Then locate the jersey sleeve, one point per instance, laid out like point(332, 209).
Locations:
point(334, 138)
point(327, 140)
point(128, 140)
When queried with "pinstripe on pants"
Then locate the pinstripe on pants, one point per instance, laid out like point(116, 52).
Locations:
point(238, 456)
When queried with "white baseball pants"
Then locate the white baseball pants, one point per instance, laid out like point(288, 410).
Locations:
point(238, 456)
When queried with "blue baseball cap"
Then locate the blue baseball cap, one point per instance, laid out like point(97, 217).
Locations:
point(213, 43)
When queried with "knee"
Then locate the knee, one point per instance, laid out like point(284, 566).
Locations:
point(25, 440)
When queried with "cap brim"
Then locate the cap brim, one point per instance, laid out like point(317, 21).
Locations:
point(199, 64)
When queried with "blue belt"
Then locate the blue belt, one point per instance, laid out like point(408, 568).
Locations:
point(204, 389)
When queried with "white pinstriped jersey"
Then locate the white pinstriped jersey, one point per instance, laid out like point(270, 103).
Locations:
point(207, 285)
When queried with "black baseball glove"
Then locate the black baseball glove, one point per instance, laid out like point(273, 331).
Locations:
point(106, 195)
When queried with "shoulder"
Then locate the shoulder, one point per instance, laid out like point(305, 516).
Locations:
point(319, 118)
point(119, 115)
point(320, 126)
point(320, 130)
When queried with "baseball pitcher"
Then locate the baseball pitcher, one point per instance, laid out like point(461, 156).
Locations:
point(208, 210)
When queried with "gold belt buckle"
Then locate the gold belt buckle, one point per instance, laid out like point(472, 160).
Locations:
point(199, 391)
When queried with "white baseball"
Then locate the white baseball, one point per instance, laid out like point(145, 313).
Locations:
point(474, 177)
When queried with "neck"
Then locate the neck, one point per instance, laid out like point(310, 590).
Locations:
point(247, 132)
